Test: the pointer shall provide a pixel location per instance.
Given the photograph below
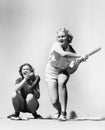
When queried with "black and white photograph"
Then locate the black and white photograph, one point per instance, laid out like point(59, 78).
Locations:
point(52, 64)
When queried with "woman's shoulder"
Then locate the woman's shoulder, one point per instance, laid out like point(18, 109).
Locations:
point(54, 46)
point(37, 77)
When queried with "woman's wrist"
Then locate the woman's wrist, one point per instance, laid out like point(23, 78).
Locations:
point(25, 81)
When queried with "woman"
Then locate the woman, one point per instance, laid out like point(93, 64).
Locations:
point(57, 74)
point(26, 92)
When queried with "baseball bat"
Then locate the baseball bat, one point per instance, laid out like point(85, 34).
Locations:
point(94, 51)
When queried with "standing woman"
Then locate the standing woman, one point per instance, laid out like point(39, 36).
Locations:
point(56, 78)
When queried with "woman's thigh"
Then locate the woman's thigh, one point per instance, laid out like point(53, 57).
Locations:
point(53, 90)
point(22, 103)
point(62, 78)
point(31, 102)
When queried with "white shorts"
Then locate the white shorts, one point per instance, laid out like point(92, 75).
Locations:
point(51, 73)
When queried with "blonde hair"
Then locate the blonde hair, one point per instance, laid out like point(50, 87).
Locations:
point(67, 32)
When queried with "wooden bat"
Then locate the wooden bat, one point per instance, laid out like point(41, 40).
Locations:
point(63, 62)
point(94, 51)
point(90, 54)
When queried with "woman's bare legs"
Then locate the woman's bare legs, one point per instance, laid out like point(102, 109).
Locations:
point(18, 104)
point(63, 95)
point(54, 96)
point(32, 105)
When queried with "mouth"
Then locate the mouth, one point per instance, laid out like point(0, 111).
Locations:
point(25, 73)
point(62, 41)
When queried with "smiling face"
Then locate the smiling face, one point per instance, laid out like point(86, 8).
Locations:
point(62, 37)
point(26, 70)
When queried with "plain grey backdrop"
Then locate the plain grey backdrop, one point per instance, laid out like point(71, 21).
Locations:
point(27, 30)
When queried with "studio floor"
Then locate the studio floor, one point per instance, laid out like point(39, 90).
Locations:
point(46, 124)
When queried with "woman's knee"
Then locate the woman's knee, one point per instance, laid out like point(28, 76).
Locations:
point(17, 97)
point(14, 95)
point(32, 103)
point(29, 97)
point(62, 79)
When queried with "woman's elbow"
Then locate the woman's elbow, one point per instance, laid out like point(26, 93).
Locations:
point(16, 89)
point(37, 94)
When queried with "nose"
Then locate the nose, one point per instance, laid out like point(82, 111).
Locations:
point(60, 39)
point(25, 70)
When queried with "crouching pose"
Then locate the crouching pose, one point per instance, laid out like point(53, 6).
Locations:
point(26, 92)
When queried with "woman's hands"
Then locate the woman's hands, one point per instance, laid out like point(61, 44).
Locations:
point(83, 58)
point(29, 77)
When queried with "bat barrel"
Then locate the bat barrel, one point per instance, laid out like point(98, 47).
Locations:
point(94, 51)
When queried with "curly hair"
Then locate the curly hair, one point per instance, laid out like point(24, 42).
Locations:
point(67, 32)
point(20, 68)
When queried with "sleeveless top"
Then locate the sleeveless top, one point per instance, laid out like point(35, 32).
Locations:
point(61, 62)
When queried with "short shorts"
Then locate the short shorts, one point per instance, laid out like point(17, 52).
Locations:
point(51, 73)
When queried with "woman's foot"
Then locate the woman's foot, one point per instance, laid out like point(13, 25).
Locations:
point(37, 116)
point(55, 116)
point(62, 117)
point(14, 116)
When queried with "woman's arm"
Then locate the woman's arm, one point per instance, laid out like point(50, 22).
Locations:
point(19, 85)
point(71, 70)
point(35, 87)
point(35, 83)
point(60, 50)
point(37, 92)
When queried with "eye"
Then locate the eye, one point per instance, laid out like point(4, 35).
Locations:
point(27, 69)
point(63, 36)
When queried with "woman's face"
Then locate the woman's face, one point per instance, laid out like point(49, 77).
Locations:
point(25, 70)
point(62, 38)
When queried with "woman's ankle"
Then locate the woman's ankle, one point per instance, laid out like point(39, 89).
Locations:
point(64, 113)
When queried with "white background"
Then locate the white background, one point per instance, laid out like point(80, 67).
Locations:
point(27, 30)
